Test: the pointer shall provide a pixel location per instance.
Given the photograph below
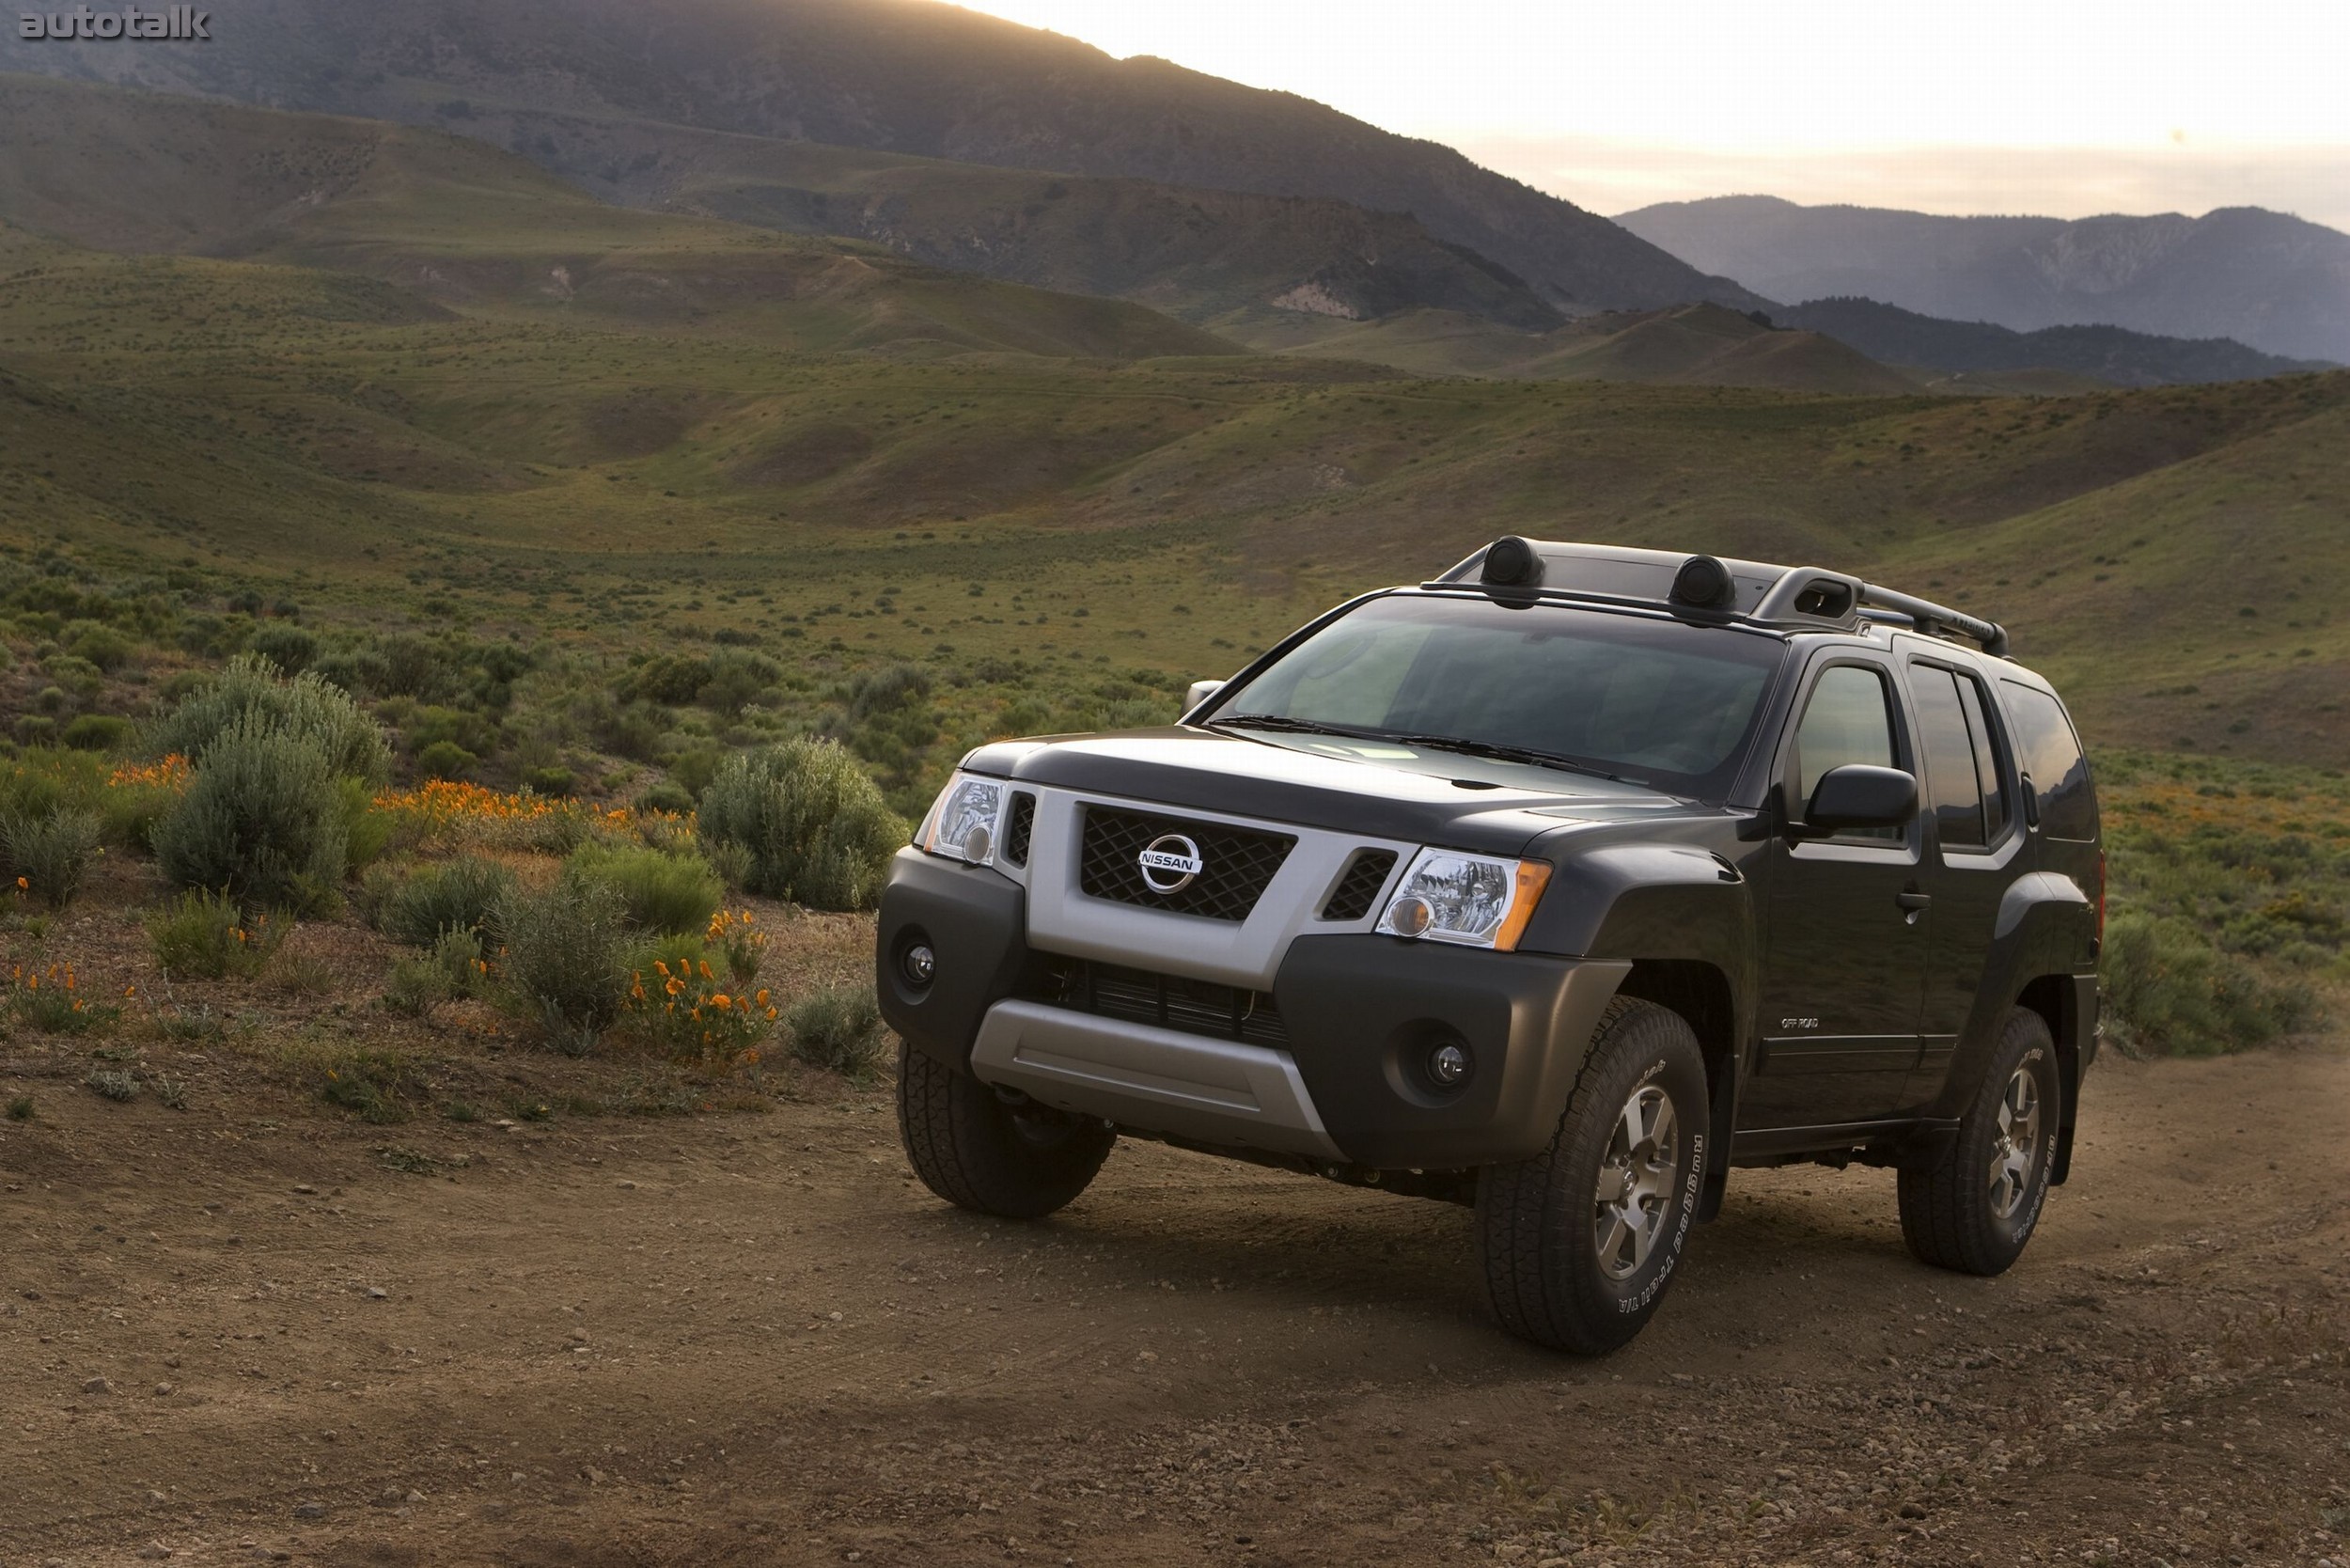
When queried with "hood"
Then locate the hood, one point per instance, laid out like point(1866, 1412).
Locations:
point(1378, 788)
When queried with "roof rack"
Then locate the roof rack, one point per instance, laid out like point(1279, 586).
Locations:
point(1793, 598)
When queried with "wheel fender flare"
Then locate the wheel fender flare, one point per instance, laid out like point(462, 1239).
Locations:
point(2045, 925)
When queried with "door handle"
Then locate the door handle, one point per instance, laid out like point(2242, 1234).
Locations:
point(1914, 902)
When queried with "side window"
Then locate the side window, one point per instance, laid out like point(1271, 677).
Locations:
point(1849, 718)
point(2049, 754)
point(1995, 804)
point(1951, 790)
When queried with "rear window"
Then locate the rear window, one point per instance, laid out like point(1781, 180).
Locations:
point(2049, 754)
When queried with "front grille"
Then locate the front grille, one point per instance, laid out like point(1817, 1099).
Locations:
point(1236, 863)
point(1351, 899)
point(1144, 996)
point(1018, 826)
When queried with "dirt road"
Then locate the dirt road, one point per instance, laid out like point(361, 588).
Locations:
point(236, 1332)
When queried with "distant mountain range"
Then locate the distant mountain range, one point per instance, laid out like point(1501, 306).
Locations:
point(2102, 353)
point(904, 76)
point(2265, 280)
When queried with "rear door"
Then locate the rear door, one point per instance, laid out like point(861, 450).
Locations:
point(1846, 944)
point(1975, 837)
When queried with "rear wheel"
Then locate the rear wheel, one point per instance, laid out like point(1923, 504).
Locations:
point(1579, 1242)
point(992, 1155)
point(1974, 1209)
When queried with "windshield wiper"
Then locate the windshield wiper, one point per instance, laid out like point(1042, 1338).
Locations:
point(1508, 754)
point(1288, 726)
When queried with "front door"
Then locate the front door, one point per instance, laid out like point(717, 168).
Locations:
point(1849, 932)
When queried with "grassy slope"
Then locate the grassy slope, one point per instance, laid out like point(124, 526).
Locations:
point(524, 466)
point(1696, 345)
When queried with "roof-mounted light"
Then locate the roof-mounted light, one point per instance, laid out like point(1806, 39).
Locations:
point(1511, 562)
point(1704, 583)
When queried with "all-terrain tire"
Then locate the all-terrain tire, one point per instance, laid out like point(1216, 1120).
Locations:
point(981, 1153)
point(1562, 1265)
point(1975, 1208)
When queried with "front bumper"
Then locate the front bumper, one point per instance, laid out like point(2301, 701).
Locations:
point(1360, 1014)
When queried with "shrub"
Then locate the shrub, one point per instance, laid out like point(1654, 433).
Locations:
point(565, 954)
point(112, 1083)
point(249, 694)
point(837, 1029)
point(661, 891)
point(136, 797)
point(446, 759)
point(262, 819)
point(460, 895)
point(366, 830)
point(51, 1001)
point(732, 861)
point(815, 824)
point(374, 1083)
point(43, 781)
point(49, 856)
point(452, 967)
point(204, 935)
point(665, 797)
point(553, 782)
point(98, 732)
point(101, 645)
point(2173, 991)
point(290, 648)
point(739, 942)
point(684, 1002)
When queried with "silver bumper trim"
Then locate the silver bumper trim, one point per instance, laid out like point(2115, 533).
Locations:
point(1161, 1080)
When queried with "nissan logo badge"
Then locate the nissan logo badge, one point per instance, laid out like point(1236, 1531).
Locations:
point(1169, 862)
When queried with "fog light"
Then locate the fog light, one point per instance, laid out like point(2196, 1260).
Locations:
point(1448, 1066)
point(1409, 917)
point(919, 965)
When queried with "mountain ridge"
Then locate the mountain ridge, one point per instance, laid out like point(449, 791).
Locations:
point(909, 76)
point(2269, 280)
point(2113, 356)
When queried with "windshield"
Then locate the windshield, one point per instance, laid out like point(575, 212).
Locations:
point(1658, 702)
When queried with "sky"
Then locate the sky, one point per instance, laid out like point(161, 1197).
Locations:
point(2062, 107)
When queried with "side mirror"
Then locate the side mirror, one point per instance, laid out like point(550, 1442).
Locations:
point(1200, 691)
point(1857, 797)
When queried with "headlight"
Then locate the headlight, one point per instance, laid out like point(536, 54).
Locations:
point(966, 823)
point(1469, 899)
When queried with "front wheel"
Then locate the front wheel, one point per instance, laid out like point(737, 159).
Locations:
point(981, 1151)
point(1579, 1242)
point(1973, 1210)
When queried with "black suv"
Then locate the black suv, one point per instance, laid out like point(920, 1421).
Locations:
point(1556, 886)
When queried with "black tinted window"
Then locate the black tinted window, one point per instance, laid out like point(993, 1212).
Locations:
point(2049, 754)
point(1846, 719)
point(1987, 775)
point(1951, 787)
